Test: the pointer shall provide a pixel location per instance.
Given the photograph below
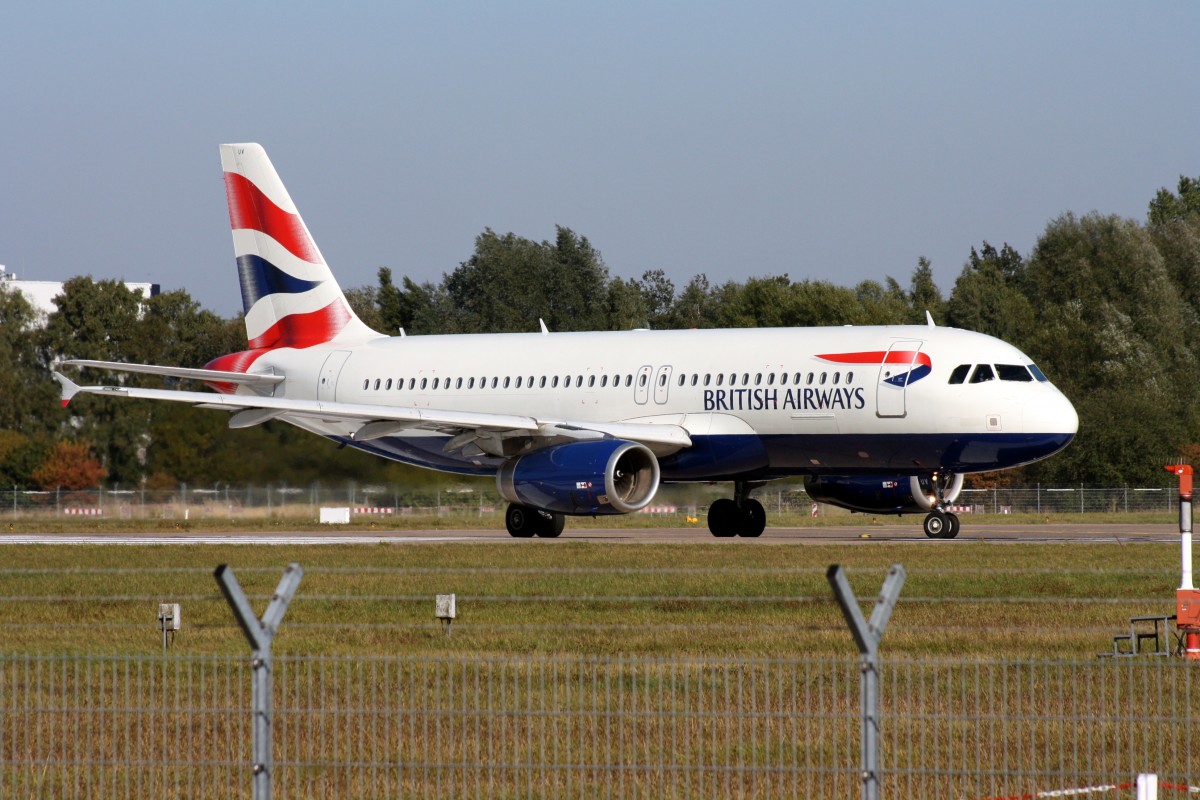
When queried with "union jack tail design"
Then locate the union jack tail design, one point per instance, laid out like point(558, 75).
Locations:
point(289, 295)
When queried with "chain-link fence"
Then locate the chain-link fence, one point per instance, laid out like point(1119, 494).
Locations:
point(480, 500)
point(565, 726)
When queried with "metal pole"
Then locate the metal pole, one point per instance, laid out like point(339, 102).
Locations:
point(867, 634)
point(260, 633)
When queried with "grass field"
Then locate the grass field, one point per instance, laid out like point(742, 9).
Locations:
point(961, 598)
point(589, 669)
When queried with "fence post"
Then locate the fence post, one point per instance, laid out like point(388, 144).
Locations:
point(867, 635)
point(259, 634)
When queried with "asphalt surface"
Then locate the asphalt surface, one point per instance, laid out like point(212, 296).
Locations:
point(864, 535)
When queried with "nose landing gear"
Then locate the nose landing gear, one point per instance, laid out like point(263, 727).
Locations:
point(934, 494)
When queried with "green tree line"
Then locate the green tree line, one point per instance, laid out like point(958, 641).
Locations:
point(1108, 307)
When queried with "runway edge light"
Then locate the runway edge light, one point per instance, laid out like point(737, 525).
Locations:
point(1187, 599)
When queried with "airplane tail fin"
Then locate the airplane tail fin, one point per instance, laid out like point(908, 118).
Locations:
point(289, 294)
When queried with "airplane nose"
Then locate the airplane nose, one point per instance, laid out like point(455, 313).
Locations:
point(1052, 414)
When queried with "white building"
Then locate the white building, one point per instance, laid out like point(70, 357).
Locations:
point(41, 294)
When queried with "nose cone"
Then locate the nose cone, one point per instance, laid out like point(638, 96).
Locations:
point(1054, 416)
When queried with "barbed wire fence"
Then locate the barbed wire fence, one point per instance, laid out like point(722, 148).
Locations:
point(486, 721)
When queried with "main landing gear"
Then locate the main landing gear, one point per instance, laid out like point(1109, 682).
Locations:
point(741, 516)
point(524, 522)
point(938, 491)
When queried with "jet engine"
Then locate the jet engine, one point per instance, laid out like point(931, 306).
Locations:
point(884, 494)
point(607, 476)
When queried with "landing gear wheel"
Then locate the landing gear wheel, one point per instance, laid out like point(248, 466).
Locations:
point(935, 524)
point(550, 524)
point(754, 519)
point(952, 526)
point(521, 522)
point(723, 517)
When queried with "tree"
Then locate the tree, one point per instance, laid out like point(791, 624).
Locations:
point(70, 465)
point(923, 294)
point(1185, 204)
point(989, 295)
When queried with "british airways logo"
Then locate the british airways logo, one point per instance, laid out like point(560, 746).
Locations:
point(913, 363)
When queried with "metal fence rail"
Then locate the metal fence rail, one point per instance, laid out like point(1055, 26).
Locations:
point(570, 726)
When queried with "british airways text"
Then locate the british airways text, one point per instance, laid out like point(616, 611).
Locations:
point(775, 399)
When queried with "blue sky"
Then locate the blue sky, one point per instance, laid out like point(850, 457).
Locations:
point(835, 142)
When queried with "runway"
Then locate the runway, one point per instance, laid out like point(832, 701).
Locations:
point(862, 535)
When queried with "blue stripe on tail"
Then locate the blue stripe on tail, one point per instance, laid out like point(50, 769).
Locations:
point(260, 278)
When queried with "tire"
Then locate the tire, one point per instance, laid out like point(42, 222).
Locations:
point(753, 519)
point(952, 526)
point(935, 525)
point(549, 524)
point(723, 517)
point(520, 521)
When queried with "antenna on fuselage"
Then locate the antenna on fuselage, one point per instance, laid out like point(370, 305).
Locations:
point(929, 319)
point(402, 333)
point(542, 322)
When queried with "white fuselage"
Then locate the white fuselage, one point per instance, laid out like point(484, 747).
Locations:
point(756, 402)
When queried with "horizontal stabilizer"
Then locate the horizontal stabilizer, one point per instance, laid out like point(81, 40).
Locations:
point(212, 375)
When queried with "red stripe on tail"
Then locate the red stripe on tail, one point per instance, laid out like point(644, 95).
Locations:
point(250, 209)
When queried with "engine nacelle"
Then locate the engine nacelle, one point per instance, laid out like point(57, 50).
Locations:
point(880, 494)
point(607, 476)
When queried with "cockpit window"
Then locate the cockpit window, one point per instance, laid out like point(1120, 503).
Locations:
point(1037, 373)
point(1013, 372)
point(982, 374)
point(960, 373)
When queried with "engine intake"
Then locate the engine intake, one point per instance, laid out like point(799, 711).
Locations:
point(609, 476)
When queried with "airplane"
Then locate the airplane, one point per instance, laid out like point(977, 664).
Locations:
point(878, 419)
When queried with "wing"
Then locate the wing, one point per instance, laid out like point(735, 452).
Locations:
point(471, 432)
point(214, 375)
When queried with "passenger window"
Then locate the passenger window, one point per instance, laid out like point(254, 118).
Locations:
point(542, 382)
point(603, 381)
point(771, 379)
point(810, 379)
point(695, 377)
point(721, 379)
point(578, 381)
point(642, 380)
point(849, 377)
point(662, 380)
point(424, 383)
point(708, 378)
point(529, 382)
point(591, 381)
point(758, 379)
point(745, 379)
point(796, 379)
point(823, 375)
point(628, 381)
point(837, 378)
point(1037, 373)
point(1013, 372)
point(495, 382)
point(982, 374)
point(471, 383)
point(682, 379)
point(554, 382)
point(518, 382)
point(507, 381)
point(366, 384)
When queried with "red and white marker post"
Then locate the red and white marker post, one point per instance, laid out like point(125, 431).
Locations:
point(1187, 599)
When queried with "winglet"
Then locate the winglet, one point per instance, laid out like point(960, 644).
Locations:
point(69, 388)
